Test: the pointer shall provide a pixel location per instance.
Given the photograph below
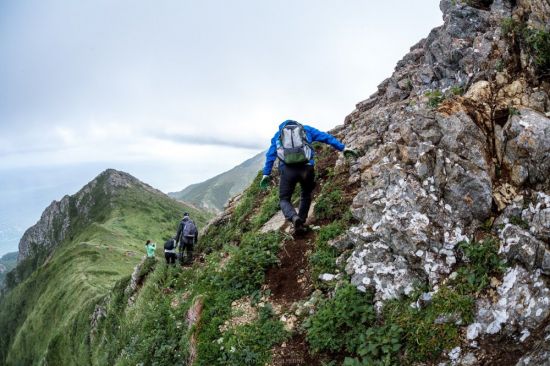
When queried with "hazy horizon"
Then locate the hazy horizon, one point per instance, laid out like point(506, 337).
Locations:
point(179, 91)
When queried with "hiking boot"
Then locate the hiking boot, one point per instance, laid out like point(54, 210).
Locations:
point(297, 222)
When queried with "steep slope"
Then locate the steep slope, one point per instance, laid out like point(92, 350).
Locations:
point(71, 258)
point(214, 193)
point(7, 263)
point(431, 248)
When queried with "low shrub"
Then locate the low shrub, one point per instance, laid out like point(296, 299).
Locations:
point(340, 321)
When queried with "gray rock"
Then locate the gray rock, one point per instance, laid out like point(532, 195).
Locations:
point(528, 145)
point(523, 302)
point(519, 245)
point(275, 223)
point(539, 354)
point(537, 215)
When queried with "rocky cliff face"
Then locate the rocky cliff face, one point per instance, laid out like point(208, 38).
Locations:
point(58, 218)
point(456, 139)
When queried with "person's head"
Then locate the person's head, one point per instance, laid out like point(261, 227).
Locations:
point(186, 215)
point(148, 242)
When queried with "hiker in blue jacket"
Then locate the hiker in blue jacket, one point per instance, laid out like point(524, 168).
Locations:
point(292, 145)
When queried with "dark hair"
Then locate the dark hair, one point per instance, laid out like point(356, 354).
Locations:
point(148, 242)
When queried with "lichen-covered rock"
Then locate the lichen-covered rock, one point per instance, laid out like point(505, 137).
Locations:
point(537, 215)
point(540, 355)
point(522, 303)
point(527, 148)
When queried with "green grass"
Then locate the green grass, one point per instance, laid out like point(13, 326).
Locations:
point(64, 289)
point(8, 262)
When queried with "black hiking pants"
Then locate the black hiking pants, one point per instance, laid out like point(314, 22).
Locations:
point(186, 244)
point(290, 176)
point(170, 257)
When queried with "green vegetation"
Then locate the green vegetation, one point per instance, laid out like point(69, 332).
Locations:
point(379, 346)
point(513, 111)
point(234, 271)
point(65, 288)
point(423, 337)
point(7, 263)
point(250, 344)
point(518, 221)
point(339, 322)
point(435, 98)
point(534, 41)
point(481, 263)
point(148, 324)
point(405, 334)
point(239, 223)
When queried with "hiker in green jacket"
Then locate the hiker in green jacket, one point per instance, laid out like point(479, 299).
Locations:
point(150, 247)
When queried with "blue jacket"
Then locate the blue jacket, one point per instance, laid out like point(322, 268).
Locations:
point(312, 135)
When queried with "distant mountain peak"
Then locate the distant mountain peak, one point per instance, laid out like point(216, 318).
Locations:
point(113, 179)
point(213, 194)
point(92, 200)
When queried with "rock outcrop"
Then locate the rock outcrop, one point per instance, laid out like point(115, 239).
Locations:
point(457, 136)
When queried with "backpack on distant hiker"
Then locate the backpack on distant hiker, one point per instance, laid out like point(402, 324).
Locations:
point(292, 146)
point(189, 229)
point(170, 244)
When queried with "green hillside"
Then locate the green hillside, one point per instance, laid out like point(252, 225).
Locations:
point(190, 316)
point(47, 316)
point(213, 194)
point(7, 263)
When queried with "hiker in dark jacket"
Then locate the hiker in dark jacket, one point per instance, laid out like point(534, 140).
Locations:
point(187, 237)
point(170, 250)
point(292, 145)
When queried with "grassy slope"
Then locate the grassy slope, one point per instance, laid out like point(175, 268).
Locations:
point(344, 329)
point(51, 309)
point(153, 330)
point(214, 193)
point(7, 263)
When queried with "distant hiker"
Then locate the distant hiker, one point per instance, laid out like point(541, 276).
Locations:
point(187, 237)
point(150, 247)
point(170, 251)
point(292, 145)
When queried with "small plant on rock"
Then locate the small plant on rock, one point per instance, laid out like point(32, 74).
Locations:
point(435, 98)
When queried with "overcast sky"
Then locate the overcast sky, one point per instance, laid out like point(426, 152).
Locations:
point(177, 91)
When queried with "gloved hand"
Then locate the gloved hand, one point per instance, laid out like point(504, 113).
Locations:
point(350, 153)
point(264, 183)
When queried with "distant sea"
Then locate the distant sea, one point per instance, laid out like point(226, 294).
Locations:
point(25, 193)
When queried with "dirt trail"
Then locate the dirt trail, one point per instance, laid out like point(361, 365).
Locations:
point(290, 282)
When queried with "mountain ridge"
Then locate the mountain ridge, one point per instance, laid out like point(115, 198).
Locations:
point(93, 239)
point(432, 247)
point(214, 193)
